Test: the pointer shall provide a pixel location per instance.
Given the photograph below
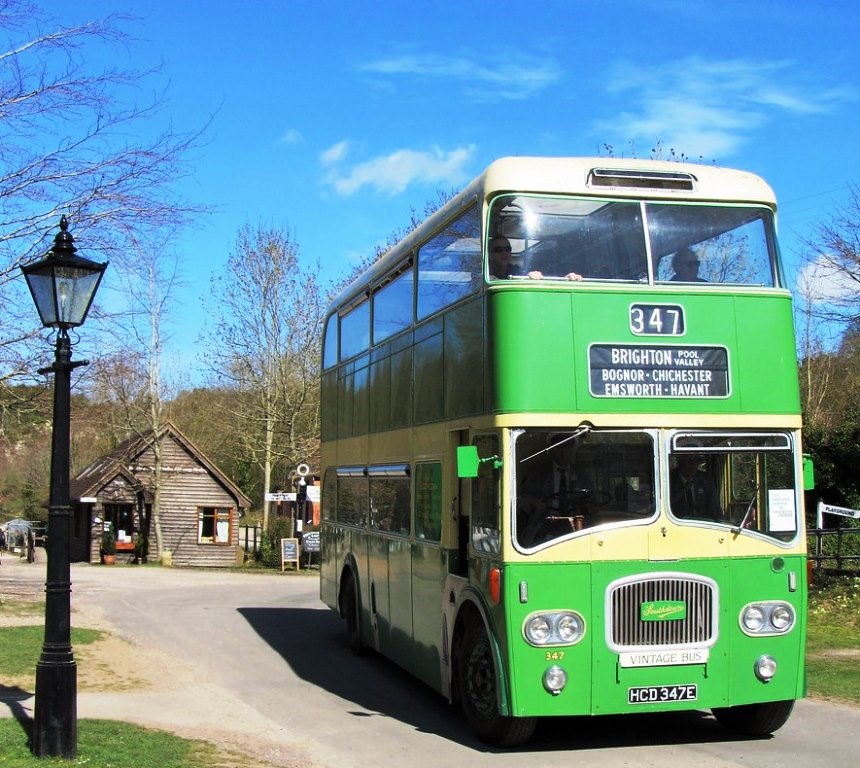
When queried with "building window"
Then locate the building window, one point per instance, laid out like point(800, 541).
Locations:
point(214, 524)
point(121, 517)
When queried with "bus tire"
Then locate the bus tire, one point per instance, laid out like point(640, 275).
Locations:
point(477, 687)
point(351, 612)
point(755, 719)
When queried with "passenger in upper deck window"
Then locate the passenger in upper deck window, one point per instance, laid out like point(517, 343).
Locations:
point(686, 265)
point(551, 266)
point(501, 267)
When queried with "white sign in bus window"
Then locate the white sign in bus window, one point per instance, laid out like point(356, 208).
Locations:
point(782, 514)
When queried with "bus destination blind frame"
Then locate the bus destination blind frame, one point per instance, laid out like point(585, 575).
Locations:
point(633, 370)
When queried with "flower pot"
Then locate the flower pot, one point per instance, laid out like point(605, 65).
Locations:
point(108, 559)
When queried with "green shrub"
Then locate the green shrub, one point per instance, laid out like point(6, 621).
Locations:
point(270, 551)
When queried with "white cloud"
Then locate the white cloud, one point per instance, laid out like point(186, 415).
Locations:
point(335, 153)
point(710, 108)
point(393, 173)
point(514, 76)
point(822, 282)
point(291, 136)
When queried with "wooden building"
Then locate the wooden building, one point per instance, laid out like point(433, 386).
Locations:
point(199, 505)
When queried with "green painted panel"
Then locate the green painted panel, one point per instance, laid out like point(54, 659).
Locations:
point(361, 399)
point(464, 357)
point(380, 394)
point(531, 337)
point(429, 569)
point(328, 410)
point(401, 388)
point(599, 685)
point(429, 391)
point(398, 646)
point(540, 340)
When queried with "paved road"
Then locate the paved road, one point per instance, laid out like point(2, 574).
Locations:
point(258, 658)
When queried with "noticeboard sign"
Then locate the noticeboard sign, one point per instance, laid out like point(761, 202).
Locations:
point(311, 541)
point(650, 370)
point(289, 552)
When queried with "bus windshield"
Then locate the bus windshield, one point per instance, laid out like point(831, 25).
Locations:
point(568, 481)
point(574, 480)
point(555, 237)
point(746, 481)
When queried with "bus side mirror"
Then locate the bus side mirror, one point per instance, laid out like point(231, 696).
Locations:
point(467, 461)
point(808, 473)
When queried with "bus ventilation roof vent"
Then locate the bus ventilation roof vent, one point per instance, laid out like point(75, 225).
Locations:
point(605, 177)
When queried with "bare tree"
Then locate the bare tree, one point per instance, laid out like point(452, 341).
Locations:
point(833, 263)
point(266, 345)
point(131, 377)
point(829, 310)
point(396, 235)
point(65, 149)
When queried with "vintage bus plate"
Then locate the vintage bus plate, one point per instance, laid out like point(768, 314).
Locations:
point(661, 694)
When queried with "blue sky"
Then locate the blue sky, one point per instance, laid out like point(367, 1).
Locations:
point(334, 119)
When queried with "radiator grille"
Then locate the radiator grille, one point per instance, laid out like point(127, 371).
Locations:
point(627, 630)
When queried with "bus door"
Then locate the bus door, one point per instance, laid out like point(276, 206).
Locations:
point(458, 509)
point(429, 569)
point(390, 560)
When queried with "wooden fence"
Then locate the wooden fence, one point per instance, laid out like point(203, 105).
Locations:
point(834, 550)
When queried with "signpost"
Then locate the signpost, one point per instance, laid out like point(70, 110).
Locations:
point(280, 496)
point(830, 509)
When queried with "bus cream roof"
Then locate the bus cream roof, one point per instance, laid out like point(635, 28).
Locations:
point(570, 175)
point(566, 176)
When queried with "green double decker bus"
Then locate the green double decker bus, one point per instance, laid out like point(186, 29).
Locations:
point(561, 449)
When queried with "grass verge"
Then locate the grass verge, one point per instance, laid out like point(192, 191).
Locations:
point(20, 647)
point(110, 744)
point(833, 640)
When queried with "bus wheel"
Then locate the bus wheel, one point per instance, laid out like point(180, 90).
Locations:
point(755, 719)
point(351, 614)
point(477, 684)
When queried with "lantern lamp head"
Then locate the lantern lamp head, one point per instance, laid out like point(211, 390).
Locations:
point(62, 284)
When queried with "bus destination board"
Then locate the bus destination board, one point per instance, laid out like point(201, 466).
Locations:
point(634, 370)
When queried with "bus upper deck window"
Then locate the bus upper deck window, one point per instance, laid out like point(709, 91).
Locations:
point(556, 238)
point(728, 244)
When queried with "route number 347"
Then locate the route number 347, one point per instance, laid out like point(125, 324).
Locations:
point(657, 319)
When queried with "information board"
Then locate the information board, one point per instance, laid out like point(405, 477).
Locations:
point(641, 370)
point(289, 552)
point(311, 541)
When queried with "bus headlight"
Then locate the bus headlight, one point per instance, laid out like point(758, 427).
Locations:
point(538, 630)
point(765, 668)
point(753, 618)
point(570, 628)
point(554, 680)
point(553, 628)
point(767, 618)
point(782, 618)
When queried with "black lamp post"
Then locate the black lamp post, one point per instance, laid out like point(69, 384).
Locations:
point(63, 286)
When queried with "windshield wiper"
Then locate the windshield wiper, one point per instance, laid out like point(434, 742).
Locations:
point(584, 429)
point(742, 524)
